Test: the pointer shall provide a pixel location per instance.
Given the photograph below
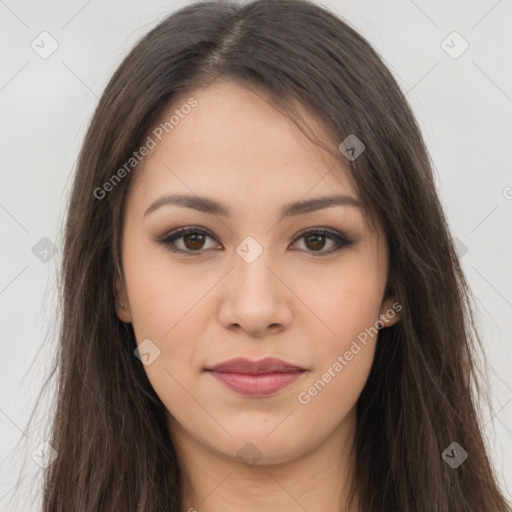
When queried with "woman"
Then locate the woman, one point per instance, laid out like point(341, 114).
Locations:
point(262, 305)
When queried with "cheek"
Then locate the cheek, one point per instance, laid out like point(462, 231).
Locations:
point(349, 306)
point(342, 369)
point(330, 395)
point(160, 294)
point(346, 299)
point(161, 307)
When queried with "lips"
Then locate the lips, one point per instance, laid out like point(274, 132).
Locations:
point(256, 378)
point(267, 365)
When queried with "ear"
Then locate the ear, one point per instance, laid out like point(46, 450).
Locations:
point(390, 312)
point(121, 299)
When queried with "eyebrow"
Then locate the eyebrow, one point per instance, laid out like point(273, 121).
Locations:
point(207, 205)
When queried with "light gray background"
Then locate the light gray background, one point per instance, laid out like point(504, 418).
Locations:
point(463, 104)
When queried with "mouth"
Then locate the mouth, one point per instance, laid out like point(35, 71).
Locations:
point(256, 378)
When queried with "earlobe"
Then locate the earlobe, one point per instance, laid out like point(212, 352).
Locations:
point(121, 302)
point(390, 312)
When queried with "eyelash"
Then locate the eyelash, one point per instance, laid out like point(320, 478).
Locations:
point(168, 239)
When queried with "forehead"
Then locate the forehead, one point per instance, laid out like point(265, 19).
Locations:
point(235, 142)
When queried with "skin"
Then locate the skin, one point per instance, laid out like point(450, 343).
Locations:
point(292, 303)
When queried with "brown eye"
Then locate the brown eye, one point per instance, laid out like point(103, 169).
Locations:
point(315, 241)
point(187, 240)
point(194, 241)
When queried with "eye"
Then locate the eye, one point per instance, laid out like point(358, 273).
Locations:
point(315, 240)
point(192, 240)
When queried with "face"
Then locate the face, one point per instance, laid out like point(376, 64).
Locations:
point(246, 281)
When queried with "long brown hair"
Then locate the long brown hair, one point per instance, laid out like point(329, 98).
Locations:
point(109, 426)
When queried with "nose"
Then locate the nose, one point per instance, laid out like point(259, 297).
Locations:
point(256, 298)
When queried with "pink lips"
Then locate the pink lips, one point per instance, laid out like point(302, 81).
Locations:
point(256, 378)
